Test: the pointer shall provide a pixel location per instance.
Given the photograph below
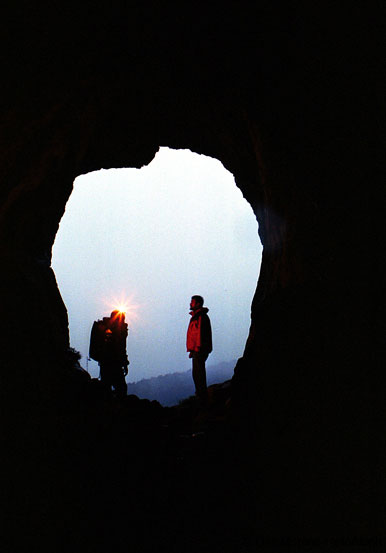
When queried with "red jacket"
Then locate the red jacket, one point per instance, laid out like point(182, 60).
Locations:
point(199, 335)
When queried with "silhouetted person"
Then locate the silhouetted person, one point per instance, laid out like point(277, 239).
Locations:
point(199, 345)
point(108, 347)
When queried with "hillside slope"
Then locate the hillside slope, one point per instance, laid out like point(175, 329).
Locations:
point(170, 389)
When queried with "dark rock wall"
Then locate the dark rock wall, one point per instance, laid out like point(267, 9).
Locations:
point(279, 97)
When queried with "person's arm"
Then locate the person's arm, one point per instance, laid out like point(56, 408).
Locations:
point(126, 366)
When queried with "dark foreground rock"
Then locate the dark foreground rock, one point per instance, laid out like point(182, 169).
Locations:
point(129, 475)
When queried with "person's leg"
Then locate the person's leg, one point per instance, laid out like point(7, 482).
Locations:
point(119, 383)
point(105, 374)
point(199, 378)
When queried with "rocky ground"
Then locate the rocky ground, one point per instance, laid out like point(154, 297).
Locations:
point(85, 472)
point(131, 475)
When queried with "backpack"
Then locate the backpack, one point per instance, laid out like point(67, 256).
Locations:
point(108, 341)
point(97, 339)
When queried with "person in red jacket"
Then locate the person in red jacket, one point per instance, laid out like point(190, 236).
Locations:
point(199, 345)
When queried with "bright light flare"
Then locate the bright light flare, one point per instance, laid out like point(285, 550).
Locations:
point(125, 306)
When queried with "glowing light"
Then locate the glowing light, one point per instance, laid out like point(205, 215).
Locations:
point(125, 306)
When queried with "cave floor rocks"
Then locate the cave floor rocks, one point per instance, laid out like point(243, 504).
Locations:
point(127, 475)
point(108, 475)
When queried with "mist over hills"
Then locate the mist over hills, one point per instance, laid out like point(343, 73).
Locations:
point(170, 389)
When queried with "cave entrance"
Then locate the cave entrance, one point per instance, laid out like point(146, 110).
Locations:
point(152, 238)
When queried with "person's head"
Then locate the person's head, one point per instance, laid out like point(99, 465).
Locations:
point(117, 315)
point(196, 302)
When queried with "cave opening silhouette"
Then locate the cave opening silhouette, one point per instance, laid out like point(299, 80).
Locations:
point(150, 237)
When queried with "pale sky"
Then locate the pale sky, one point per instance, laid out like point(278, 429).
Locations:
point(151, 238)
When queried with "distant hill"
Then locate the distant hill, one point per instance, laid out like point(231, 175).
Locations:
point(170, 389)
